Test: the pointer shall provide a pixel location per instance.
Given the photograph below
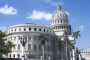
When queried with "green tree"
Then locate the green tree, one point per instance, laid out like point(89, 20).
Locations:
point(43, 39)
point(66, 35)
point(59, 43)
point(76, 34)
point(5, 47)
point(30, 56)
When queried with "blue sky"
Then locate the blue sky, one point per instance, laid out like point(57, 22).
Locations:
point(39, 11)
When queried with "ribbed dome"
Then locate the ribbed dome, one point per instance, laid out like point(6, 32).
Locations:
point(59, 13)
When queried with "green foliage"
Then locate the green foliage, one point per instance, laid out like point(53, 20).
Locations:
point(76, 34)
point(5, 47)
point(66, 39)
point(66, 33)
point(43, 38)
point(30, 56)
point(2, 35)
point(59, 42)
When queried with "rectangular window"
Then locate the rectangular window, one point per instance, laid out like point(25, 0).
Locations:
point(29, 37)
point(39, 47)
point(35, 48)
point(48, 47)
point(18, 46)
point(35, 37)
point(29, 46)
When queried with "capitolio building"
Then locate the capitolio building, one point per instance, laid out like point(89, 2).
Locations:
point(59, 24)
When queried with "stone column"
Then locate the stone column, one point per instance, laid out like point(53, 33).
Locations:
point(73, 54)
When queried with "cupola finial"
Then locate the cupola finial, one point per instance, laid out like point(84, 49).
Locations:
point(58, 7)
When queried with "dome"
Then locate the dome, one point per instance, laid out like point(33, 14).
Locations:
point(59, 13)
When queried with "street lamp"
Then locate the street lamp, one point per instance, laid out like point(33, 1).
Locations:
point(41, 58)
point(49, 58)
point(23, 41)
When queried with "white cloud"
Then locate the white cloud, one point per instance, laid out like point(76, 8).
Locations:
point(3, 28)
point(53, 3)
point(81, 27)
point(67, 13)
point(8, 10)
point(40, 15)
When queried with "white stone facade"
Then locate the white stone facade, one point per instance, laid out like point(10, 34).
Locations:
point(33, 46)
point(85, 54)
point(59, 23)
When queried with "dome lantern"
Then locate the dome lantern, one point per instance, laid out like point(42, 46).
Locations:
point(58, 7)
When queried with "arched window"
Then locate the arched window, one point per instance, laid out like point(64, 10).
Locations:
point(39, 29)
point(55, 21)
point(56, 27)
point(58, 21)
point(13, 55)
point(62, 27)
point(44, 30)
point(10, 55)
point(61, 21)
point(14, 38)
point(64, 21)
point(19, 29)
point(18, 46)
point(24, 29)
point(47, 30)
point(35, 29)
point(29, 29)
point(12, 30)
point(15, 29)
point(18, 55)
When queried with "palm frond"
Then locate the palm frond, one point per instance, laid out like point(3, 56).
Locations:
point(43, 38)
point(76, 34)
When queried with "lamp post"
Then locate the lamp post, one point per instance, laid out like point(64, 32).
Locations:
point(41, 58)
point(23, 41)
point(49, 58)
